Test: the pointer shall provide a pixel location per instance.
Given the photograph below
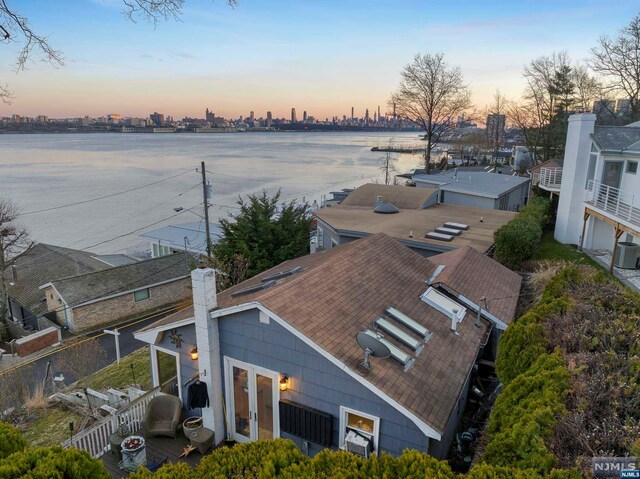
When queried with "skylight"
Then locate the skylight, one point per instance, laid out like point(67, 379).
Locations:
point(456, 226)
point(282, 274)
point(443, 304)
point(396, 353)
point(253, 289)
point(438, 236)
point(398, 333)
point(407, 321)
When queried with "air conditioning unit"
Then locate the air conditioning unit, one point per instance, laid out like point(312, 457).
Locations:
point(626, 255)
point(357, 444)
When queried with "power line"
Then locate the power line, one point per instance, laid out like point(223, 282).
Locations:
point(103, 197)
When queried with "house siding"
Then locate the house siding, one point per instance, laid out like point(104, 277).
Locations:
point(91, 316)
point(188, 367)
point(314, 380)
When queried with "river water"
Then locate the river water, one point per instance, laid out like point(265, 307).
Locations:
point(47, 172)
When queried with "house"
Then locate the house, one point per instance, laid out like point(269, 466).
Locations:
point(190, 237)
point(410, 215)
point(87, 301)
point(282, 346)
point(599, 205)
point(479, 189)
point(547, 175)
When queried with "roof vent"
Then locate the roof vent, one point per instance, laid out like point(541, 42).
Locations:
point(253, 289)
point(385, 208)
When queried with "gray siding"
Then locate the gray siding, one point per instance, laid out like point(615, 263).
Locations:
point(188, 367)
point(315, 381)
point(465, 199)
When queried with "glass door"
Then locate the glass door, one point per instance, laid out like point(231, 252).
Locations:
point(252, 397)
point(241, 407)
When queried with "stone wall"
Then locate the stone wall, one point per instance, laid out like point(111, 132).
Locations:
point(94, 315)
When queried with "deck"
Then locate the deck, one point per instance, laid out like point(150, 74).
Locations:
point(157, 449)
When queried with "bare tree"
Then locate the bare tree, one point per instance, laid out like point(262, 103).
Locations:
point(527, 116)
point(618, 61)
point(587, 88)
point(15, 29)
point(431, 95)
point(13, 240)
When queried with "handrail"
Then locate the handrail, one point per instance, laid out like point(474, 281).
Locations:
point(621, 204)
point(550, 177)
point(95, 440)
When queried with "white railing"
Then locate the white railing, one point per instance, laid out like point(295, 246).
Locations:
point(622, 205)
point(95, 440)
point(550, 178)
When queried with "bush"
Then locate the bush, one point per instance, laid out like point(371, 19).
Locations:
point(10, 440)
point(517, 240)
point(51, 462)
point(538, 210)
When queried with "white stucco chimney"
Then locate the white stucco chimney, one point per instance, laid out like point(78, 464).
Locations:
point(203, 282)
point(574, 178)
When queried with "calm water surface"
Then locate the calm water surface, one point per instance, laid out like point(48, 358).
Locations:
point(44, 171)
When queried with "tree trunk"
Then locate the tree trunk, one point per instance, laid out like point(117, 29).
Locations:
point(4, 297)
point(427, 154)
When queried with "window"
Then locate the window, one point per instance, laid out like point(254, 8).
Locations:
point(141, 295)
point(320, 238)
point(364, 425)
point(632, 167)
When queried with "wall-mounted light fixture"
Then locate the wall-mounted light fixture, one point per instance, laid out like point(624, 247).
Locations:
point(284, 382)
point(194, 353)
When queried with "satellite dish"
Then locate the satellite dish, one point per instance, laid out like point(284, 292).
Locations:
point(372, 347)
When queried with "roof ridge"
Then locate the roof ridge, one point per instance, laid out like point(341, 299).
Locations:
point(118, 267)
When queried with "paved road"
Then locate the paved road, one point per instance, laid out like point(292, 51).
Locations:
point(34, 371)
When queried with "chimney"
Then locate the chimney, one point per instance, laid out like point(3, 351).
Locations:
point(203, 282)
point(574, 178)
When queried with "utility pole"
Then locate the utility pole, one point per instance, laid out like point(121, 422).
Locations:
point(206, 208)
point(116, 334)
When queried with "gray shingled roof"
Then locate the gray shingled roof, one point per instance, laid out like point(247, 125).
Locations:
point(45, 263)
point(479, 182)
point(617, 138)
point(120, 279)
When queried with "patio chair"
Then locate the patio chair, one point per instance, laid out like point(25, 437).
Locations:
point(162, 417)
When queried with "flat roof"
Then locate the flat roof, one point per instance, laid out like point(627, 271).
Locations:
point(402, 197)
point(479, 183)
point(174, 235)
point(362, 221)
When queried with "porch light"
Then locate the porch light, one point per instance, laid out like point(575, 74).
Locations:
point(194, 353)
point(284, 382)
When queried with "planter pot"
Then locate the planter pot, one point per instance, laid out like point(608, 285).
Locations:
point(134, 453)
point(190, 425)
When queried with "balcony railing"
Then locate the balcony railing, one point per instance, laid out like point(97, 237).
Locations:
point(550, 179)
point(619, 204)
point(95, 440)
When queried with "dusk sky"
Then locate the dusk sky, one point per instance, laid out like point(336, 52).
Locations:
point(319, 56)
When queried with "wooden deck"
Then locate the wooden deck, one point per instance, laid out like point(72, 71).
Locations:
point(157, 449)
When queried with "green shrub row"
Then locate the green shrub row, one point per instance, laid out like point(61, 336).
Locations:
point(536, 383)
point(519, 239)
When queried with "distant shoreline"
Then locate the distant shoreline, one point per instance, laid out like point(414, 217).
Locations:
point(5, 131)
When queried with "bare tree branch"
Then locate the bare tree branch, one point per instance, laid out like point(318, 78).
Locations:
point(618, 61)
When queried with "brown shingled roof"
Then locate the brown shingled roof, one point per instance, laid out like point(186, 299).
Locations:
point(474, 275)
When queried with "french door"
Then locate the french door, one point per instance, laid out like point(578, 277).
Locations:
point(252, 401)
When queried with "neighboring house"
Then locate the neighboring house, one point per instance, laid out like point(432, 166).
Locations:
point(410, 215)
point(599, 202)
point(478, 189)
point(190, 237)
point(87, 301)
point(547, 175)
point(282, 346)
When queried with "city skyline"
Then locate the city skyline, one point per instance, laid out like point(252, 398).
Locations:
point(320, 58)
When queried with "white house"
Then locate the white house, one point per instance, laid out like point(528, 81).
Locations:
point(599, 205)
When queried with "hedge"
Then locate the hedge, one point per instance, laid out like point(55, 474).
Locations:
point(51, 462)
point(519, 239)
point(10, 440)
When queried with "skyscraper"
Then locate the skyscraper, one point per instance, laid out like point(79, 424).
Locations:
point(495, 127)
point(378, 112)
point(294, 118)
point(209, 116)
point(304, 116)
point(352, 113)
point(269, 120)
point(252, 117)
point(366, 116)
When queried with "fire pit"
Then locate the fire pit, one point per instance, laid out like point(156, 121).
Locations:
point(134, 453)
